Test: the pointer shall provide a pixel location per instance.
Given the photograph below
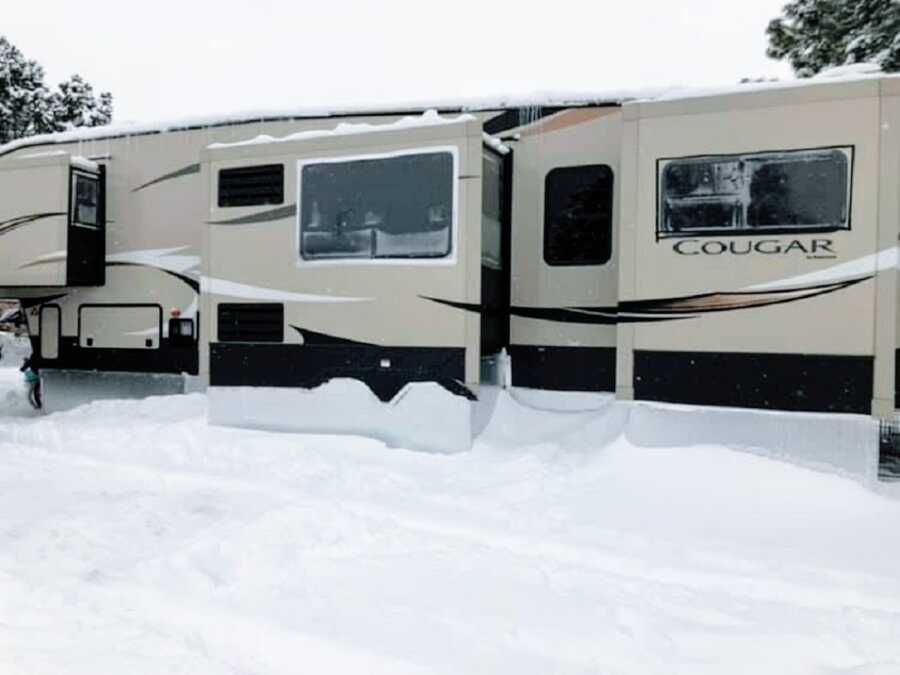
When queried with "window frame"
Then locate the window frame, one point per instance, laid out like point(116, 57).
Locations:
point(849, 151)
point(451, 258)
point(75, 176)
point(245, 167)
point(598, 262)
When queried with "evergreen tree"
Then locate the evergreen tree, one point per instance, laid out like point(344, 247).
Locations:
point(76, 106)
point(818, 34)
point(28, 107)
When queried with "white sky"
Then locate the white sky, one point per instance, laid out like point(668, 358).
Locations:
point(169, 58)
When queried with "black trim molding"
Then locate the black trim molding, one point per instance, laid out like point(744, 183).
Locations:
point(897, 379)
point(385, 370)
point(792, 382)
point(170, 357)
point(564, 368)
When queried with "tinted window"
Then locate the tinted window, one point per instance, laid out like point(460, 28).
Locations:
point(735, 194)
point(252, 185)
point(85, 199)
point(386, 207)
point(492, 200)
point(578, 215)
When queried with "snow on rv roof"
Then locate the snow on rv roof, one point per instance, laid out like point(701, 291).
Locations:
point(429, 118)
point(856, 72)
point(500, 102)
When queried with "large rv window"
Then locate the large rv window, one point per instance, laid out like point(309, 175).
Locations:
point(578, 215)
point(398, 206)
point(85, 199)
point(252, 185)
point(795, 190)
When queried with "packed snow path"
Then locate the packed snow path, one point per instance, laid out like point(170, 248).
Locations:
point(135, 538)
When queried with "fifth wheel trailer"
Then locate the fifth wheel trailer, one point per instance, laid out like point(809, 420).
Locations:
point(137, 319)
point(734, 248)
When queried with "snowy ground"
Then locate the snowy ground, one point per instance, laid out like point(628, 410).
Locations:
point(135, 538)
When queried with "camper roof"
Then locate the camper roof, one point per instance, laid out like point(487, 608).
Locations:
point(837, 83)
point(844, 74)
point(463, 105)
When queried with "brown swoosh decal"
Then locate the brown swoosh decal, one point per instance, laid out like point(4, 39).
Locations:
point(721, 302)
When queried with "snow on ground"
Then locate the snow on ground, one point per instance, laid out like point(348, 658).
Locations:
point(135, 538)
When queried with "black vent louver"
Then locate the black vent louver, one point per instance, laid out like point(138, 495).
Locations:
point(251, 322)
point(252, 185)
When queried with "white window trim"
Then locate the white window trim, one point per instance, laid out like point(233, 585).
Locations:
point(450, 259)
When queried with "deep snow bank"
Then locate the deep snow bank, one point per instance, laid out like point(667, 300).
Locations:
point(134, 537)
point(13, 349)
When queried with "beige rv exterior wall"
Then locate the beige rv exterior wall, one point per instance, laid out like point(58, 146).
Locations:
point(569, 138)
point(860, 320)
point(816, 326)
point(32, 186)
point(377, 302)
point(156, 214)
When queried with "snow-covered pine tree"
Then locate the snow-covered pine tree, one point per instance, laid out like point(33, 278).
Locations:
point(76, 106)
point(28, 107)
point(818, 34)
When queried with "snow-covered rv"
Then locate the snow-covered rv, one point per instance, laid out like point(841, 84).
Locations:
point(731, 248)
point(167, 208)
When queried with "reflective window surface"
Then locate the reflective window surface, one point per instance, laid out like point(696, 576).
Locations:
point(384, 207)
point(492, 200)
point(85, 200)
point(792, 190)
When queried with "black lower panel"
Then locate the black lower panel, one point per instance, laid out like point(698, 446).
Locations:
point(564, 368)
point(168, 358)
point(797, 382)
point(897, 379)
point(889, 450)
point(386, 370)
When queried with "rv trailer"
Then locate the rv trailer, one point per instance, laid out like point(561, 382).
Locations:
point(733, 249)
point(169, 206)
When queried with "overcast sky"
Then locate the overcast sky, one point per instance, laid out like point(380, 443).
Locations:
point(171, 58)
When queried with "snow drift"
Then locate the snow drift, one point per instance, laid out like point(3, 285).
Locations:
point(135, 537)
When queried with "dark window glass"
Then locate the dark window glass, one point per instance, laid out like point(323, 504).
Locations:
point(578, 204)
point(492, 200)
point(735, 194)
point(252, 185)
point(808, 190)
point(85, 200)
point(388, 207)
